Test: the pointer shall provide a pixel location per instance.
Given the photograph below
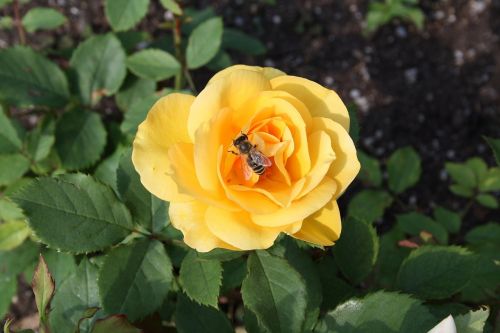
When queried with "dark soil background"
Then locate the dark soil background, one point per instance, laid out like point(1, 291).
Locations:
point(437, 90)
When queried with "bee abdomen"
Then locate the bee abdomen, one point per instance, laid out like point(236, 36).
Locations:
point(258, 169)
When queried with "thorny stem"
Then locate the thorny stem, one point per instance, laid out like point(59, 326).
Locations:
point(18, 23)
point(184, 72)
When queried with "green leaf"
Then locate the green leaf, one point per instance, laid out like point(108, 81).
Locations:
point(201, 279)
point(404, 168)
point(234, 39)
point(356, 251)
point(204, 42)
point(41, 139)
point(335, 289)
point(478, 167)
point(87, 314)
point(125, 14)
point(39, 18)
point(485, 239)
point(3, 3)
point(6, 22)
point(369, 205)
point(12, 168)
point(10, 142)
point(495, 147)
point(370, 169)
point(8, 289)
point(220, 61)
point(461, 191)
point(196, 17)
point(77, 293)
point(9, 211)
point(137, 113)
point(28, 78)
point(221, 254)
point(133, 92)
point(146, 209)
point(56, 209)
point(100, 65)
point(172, 6)
point(390, 257)
point(191, 317)
point(13, 234)
point(380, 312)
point(233, 274)
point(142, 290)
point(43, 287)
point(472, 322)
point(436, 272)
point(106, 170)
point(17, 260)
point(448, 219)
point(61, 265)
point(487, 200)
point(461, 174)
point(491, 181)
point(414, 223)
point(153, 64)
point(275, 292)
point(484, 282)
point(80, 139)
point(115, 324)
point(352, 109)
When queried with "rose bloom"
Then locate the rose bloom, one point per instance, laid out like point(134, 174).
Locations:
point(182, 153)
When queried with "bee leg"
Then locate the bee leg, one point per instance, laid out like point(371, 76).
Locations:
point(232, 152)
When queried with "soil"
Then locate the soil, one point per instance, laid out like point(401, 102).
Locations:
point(436, 89)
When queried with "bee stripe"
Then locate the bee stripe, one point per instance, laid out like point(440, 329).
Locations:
point(259, 169)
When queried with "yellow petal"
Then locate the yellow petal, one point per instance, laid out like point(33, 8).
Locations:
point(189, 218)
point(238, 230)
point(346, 165)
point(323, 227)
point(182, 170)
point(301, 208)
point(320, 101)
point(232, 91)
point(322, 156)
point(268, 72)
point(164, 126)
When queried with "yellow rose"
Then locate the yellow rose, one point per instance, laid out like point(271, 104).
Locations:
point(181, 152)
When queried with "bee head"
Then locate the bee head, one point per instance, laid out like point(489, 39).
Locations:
point(242, 143)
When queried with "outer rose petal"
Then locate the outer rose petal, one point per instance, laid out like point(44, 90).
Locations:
point(165, 125)
point(323, 227)
point(268, 72)
point(346, 165)
point(232, 91)
point(320, 101)
point(189, 218)
point(239, 231)
point(299, 209)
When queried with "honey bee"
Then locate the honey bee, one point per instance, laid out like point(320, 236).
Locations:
point(255, 161)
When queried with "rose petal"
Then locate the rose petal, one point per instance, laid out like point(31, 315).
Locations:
point(299, 209)
point(189, 218)
point(164, 126)
point(323, 227)
point(232, 91)
point(268, 72)
point(320, 101)
point(346, 165)
point(238, 230)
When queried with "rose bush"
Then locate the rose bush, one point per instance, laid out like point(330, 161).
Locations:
point(181, 152)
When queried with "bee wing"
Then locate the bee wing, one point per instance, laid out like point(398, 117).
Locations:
point(261, 159)
point(247, 170)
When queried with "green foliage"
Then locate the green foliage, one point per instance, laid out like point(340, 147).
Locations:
point(415, 223)
point(117, 324)
point(99, 63)
point(43, 287)
point(370, 172)
point(56, 207)
point(39, 18)
point(80, 139)
point(233, 39)
point(404, 169)
point(472, 322)
point(436, 272)
point(381, 13)
point(369, 205)
point(356, 251)
point(383, 312)
point(124, 14)
point(204, 42)
point(172, 5)
point(133, 91)
point(141, 291)
point(201, 279)
point(275, 292)
point(28, 78)
point(13, 234)
point(153, 64)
